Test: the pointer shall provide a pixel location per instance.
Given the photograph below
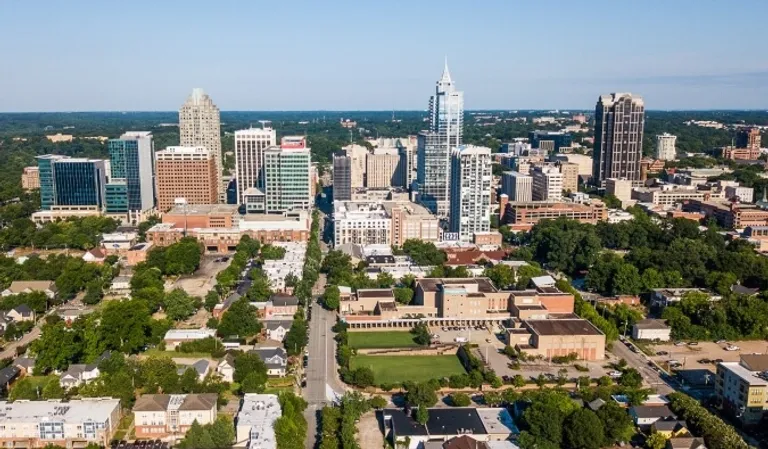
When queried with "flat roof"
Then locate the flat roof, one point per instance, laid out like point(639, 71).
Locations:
point(563, 327)
point(744, 374)
point(497, 420)
point(484, 285)
point(442, 421)
point(375, 293)
point(74, 411)
point(203, 209)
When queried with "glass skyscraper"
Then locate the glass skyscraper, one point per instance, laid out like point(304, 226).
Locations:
point(132, 157)
point(47, 188)
point(287, 180)
point(78, 182)
point(446, 118)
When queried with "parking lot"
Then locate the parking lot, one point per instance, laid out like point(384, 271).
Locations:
point(204, 279)
point(150, 444)
point(705, 354)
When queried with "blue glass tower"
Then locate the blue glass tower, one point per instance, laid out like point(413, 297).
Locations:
point(132, 186)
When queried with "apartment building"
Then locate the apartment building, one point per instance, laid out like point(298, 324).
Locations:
point(162, 415)
point(734, 153)
point(287, 176)
point(620, 188)
point(412, 221)
point(470, 198)
point(748, 137)
point(382, 168)
point(742, 387)
point(583, 161)
point(255, 421)
point(547, 183)
point(619, 123)
point(187, 173)
point(75, 423)
point(342, 177)
point(357, 155)
point(250, 145)
point(570, 175)
point(517, 186)
point(523, 216)
point(665, 147)
point(667, 194)
point(729, 215)
point(30, 178)
point(388, 222)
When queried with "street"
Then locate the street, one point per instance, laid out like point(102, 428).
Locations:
point(9, 351)
point(640, 362)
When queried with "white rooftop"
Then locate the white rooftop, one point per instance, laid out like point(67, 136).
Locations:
point(259, 412)
point(74, 411)
point(744, 374)
point(118, 237)
point(189, 334)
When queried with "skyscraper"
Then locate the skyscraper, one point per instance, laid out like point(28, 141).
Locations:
point(200, 126)
point(357, 157)
point(342, 177)
point(547, 183)
point(381, 168)
point(132, 184)
point(619, 121)
point(446, 117)
point(665, 147)
point(185, 172)
point(470, 185)
point(249, 157)
point(287, 180)
point(68, 181)
point(47, 187)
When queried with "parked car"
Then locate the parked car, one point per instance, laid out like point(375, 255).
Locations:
point(662, 353)
point(704, 361)
point(720, 342)
point(693, 343)
point(679, 343)
point(615, 373)
point(732, 348)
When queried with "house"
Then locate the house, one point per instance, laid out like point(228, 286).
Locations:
point(281, 305)
point(226, 368)
point(671, 429)
point(596, 405)
point(685, 443)
point(162, 415)
point(220, 308)
point(8, 375)
point(275, 358)
point(25, 364)
point(276, 329)
point(80, 373)
point(665, 296)
point(467, 442)
point(202, 367)
point(70, 315)
point(650, 329)
point(175, 337)
point(121, 286)
point(16, 287)
point(445, 424)
point(20, 313)
point(96, 255)
point(646, 415)
point(741, 290)
point(254, 424)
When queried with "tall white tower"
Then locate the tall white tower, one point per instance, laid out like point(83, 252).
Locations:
point(446, 118)
point(665, 147)
point(249, 157)
point(470, 185)
point(200, 126)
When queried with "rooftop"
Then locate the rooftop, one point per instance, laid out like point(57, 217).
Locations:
point(755, 362)
point(259, 412)
point(189, 334)
point(73, 411)
point(562, 327)
point(204, 209)
point(652, 411)
point(482, 285)
point(750, 377)
point(651, 324)
point(162, 402)
point(375, 293)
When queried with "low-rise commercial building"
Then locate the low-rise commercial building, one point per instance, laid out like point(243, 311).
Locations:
point(483, 424)
point(558, 337)
point(255, 421)
point(523, 216)
point(163, 415)
point(175, 337)
point(75, 423)
point(650, 329)
point(729, 215)
point(667, 194)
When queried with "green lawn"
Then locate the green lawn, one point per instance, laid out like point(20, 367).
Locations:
point(399, 368)
point(376, 340)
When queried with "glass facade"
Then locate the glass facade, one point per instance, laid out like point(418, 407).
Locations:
point(116, 198)
point(47, 191)
point(132, 164)
point(287, 180)
point(78, 182)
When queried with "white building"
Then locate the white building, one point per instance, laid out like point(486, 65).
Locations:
point(361, 224)
point(744, 194)
point(582, 160)
point(446, 118)
point(291, 263)
point(200, 126)
point(175, 337)
point(517, 186)
point(547, 183)
point(470, 191)
point(73, 423)
point(620, 188)
point(650, 329)
point(118, 241)
point(665, 147)
point(667, 194)
point(255, 421)
point(249, 157)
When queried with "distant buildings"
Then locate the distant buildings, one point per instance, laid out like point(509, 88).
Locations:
point(250, 145)
point(131, 187)
point(665, 147)
point(550, 141)
point(736, 153)
point(287, 176)
point(729, 215)
point(200, 126)
point(748, 138)
point(59, 137)
point(387, 222)
point(470, 191)
point(188, 173)
point(517, 186)
point(446, 117)
point(30, 178)
point(547, 183)
point(619, 122)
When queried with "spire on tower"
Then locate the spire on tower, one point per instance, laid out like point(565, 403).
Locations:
point(446, 78)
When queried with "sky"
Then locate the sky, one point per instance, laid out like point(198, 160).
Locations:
point(147, 55)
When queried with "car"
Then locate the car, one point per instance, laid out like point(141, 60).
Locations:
point(693, 343)
point(704, 361)
point(487, 340)
point(444, 329)
point(662, 353)
point(720, 342)
point(679, 343)
point(732, 348)
point(674, 363)
point(718, 361)
point(615, 373)
point(435, 336)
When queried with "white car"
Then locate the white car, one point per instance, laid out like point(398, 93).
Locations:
point(615, 374)
point(732, 348)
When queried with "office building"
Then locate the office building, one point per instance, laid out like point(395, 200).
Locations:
point(582, 160)
point(517, 186)
point(446, 117)
point(550, 141)
point(668, 194)
point(745, 154)
point(570, 172)
point(255, 421)
point(742, 388)
point(188, 173)
point(620, 188)
point(163, 415)
point(619, 122)
point(30, 178)
point(729, 215)
point(665, 147)
point(132, 165)
point(287, 180)
point(357, 155)
point(200, 126)
point(547, 183)
point(748, 138)
point(518, 147)
point(523, 216)
point(381, 168)
point(249, 157)
point(342, 177)
point(71, 183)
point(470, 191)
point(74, 423)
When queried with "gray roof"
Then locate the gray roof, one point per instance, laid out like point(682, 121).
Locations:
point(651, 324)
point(23, 310)
point(200, 367)
point(596, 404)
point(281, 300)
point(274, 324)
point(8, 373)
point(267, 353)
point(24, 362)
point(649, 411)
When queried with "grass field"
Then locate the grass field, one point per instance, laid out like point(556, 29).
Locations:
point(376, 340)
point(418, 368)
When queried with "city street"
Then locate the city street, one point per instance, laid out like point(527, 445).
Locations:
point(640, 362)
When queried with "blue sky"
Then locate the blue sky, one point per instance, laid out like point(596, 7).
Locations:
point(88, 55)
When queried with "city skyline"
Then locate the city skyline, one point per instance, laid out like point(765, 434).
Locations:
point(341, 58)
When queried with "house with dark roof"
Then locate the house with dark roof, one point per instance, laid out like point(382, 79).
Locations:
point(81, 373)
point(445, 424)
point(8, 375)
point(220, 308)
point(468, 442)
point(645, 416)
point(201, 367)
point(275, 358)
point(685, 443)
point(226, 368)
point(22, 312)
point(742, 290)
point(162, 415)
point(25, 364)
point(281, 305)
point(96, 255)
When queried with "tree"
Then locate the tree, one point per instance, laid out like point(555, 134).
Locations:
point(460, 399)
point(421, 334)
point(124, 325)
point(211, 300)
point(418, 394)
point(583, 430)
point(188, 381)
point(631, 378)
point(270, 252)
point(53, 389)
point(182, 257)
point(565, 245)
point(493, 398)
point(385, 280)
point(617, 423)
point(518, 381)
point(331, 298)
point(403, 295)
point(378, 402)
point(240, 319)
point(159, 375)
point(502, 275)
point(656, 441)
point(248, 246)
point(24, 389)
point(197, 437)
point(260, 290)
point(422, 415)
point(246, 363)
point(423, 253)
point(179, 305)
point(253, 383)
point(56, 348)
point(362, 377)
point(297, 337)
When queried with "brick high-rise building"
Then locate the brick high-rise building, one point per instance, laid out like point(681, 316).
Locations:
point(748, 138)
point(185, 172)
point(200, 126)
point(619, 122)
